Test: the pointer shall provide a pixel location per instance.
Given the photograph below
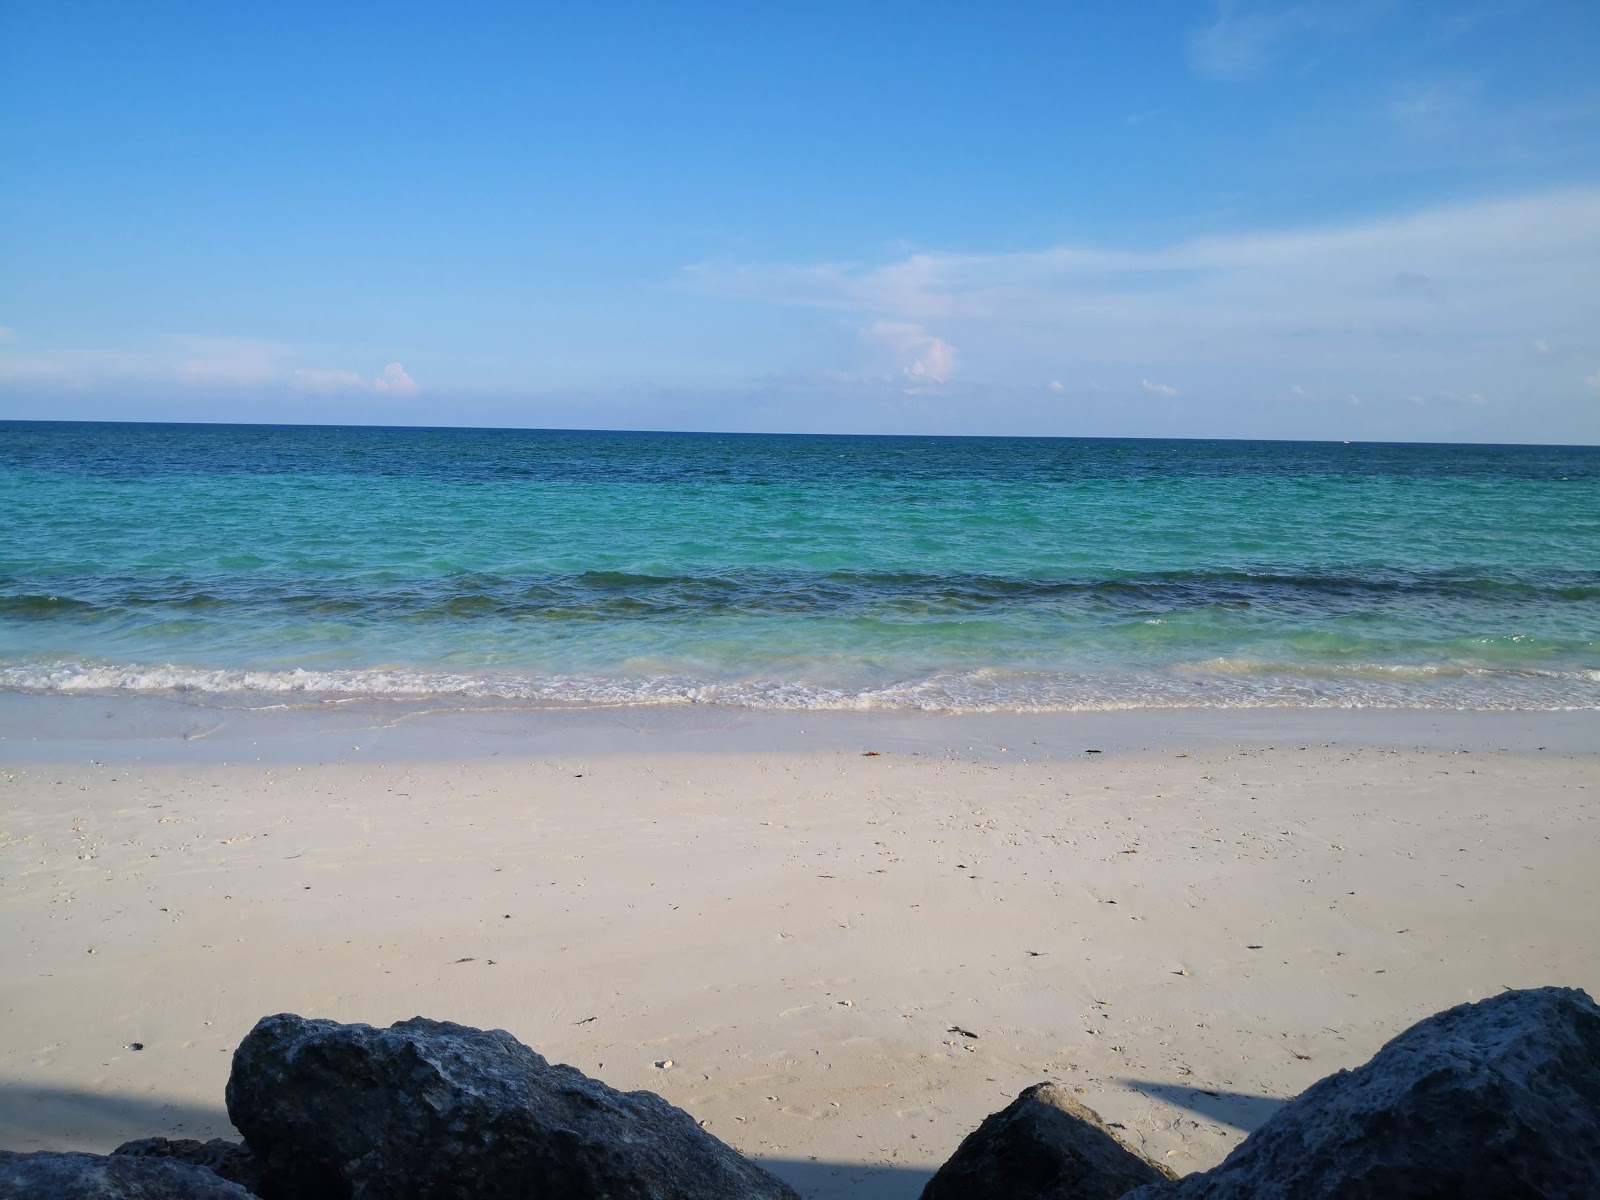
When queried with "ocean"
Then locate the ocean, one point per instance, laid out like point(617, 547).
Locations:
point(285, 565)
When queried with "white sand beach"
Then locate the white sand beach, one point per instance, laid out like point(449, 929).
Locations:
point(838, 961)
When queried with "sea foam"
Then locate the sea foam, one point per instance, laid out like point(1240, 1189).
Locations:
point(1215, 684)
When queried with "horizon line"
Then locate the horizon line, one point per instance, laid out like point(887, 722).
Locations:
point(1019, 437)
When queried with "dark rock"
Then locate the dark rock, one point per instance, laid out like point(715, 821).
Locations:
point(428, 1110)
point(231, 1160)
point(49, 1176)
point(1498, 1100)
point(1044, 1146)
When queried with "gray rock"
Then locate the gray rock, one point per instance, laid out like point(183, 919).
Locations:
point(428, 1110)
point(1498, 1100)
point(231, 1160)
point(49, 1176)
point(1043, 1146)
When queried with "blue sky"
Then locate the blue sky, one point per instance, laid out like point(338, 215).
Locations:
point(1364, 219)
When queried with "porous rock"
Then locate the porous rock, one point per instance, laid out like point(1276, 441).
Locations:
point(429, 1110)
point(1043, 1146)
point(231, 1160)
point(49, 1176)
point(1498, 1100)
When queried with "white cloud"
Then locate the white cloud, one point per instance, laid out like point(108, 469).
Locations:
point(392, 381)
point(395, 382)
point(200, 363)
point(1593, 382)
point(1158, 389)
point(1540, 347)
point(1056, 385)
point(924, 357)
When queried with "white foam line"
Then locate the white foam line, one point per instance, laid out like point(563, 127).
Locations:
point(1220, 683)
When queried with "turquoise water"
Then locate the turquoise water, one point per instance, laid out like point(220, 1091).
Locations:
point(251, 564)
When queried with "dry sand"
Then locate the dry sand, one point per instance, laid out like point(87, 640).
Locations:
point(838, 962)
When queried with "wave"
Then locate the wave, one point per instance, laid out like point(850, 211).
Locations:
point(1216, 683)
point(624, 595)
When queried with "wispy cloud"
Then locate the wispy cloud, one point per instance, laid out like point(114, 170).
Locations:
point(1435, 107)
point(1158, 389)
point(1244, 37)
point(200, 363)
point(222, 362)
point(1448, 297)
point(1461, 19)
point(320, 381)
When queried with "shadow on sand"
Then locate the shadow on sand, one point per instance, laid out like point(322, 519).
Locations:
point(34, 1117)
point(1238, 1110)
point(835, 1181)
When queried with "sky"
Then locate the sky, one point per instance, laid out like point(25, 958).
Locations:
point(1369, 219)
